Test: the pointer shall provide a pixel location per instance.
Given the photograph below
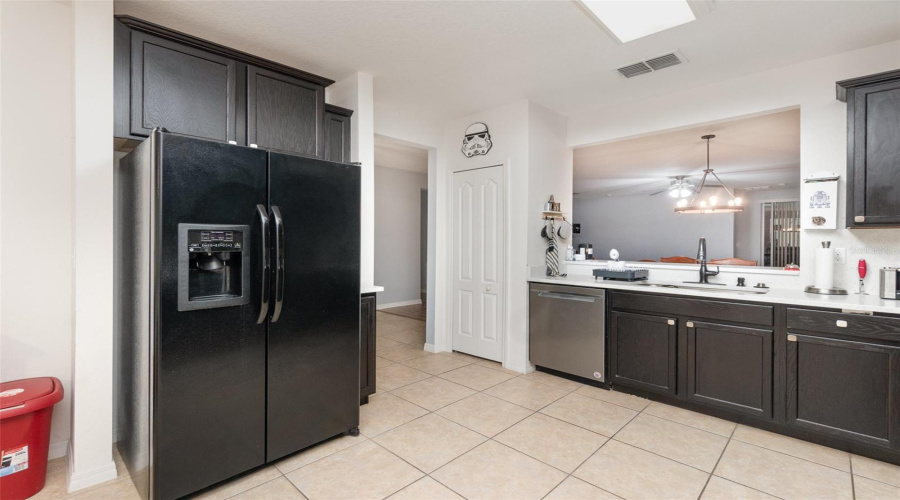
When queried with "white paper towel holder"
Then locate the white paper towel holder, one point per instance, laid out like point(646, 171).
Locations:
point(825, 291)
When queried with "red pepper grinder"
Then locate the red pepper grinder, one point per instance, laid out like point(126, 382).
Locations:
point(861, 267)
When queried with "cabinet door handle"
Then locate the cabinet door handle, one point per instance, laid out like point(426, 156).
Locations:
point(671, 322)
point(792, 338)
point(689, 324)
point(841, 323)
point(859, 218)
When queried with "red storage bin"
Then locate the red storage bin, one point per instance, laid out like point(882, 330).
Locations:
point(26, 407)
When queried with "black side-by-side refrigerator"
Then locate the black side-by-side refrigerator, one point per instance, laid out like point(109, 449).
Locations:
point(237, 308)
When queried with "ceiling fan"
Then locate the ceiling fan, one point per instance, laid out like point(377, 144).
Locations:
point(680, 187)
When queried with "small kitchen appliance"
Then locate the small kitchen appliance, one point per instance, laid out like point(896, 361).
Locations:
point(862, 268)
point(890, 283)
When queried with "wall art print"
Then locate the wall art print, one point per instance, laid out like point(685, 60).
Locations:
point(477, 140)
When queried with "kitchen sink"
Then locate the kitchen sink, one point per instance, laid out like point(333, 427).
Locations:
point(710, 288)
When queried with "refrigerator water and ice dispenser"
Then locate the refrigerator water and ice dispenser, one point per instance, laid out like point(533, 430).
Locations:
point(213, 267)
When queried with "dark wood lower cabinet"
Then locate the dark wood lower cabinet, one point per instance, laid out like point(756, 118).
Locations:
point(643, 352)
point(844, 388)
point(827, 376)
point(730, 367)
point(366, 347)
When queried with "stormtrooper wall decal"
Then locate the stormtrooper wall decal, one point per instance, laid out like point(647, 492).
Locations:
point(477, 140)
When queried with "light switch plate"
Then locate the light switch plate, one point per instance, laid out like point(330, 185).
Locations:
point(840, 255)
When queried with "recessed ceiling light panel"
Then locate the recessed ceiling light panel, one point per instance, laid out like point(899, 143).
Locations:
point(630, 20)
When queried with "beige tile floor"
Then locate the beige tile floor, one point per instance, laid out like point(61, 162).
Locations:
point(454, 426)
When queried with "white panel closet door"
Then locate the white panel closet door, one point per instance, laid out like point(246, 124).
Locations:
point(478, 262)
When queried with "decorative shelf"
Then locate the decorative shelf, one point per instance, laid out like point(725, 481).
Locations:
point(553, 215)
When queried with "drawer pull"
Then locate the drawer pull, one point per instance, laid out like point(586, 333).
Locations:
point(841, 323)
point(689, 324)
point(792, 338)
point(670, 322)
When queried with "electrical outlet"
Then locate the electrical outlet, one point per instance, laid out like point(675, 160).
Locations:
point(840, 255)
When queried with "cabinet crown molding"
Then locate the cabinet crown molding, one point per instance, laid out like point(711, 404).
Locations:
point(162, 31)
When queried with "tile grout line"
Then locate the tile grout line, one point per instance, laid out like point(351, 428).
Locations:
point(594, 453)
point(794, 457)
point(852, 479)
point(716, 466)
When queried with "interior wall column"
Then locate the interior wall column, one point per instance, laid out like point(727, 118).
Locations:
point(356, 92)
point(90, 450)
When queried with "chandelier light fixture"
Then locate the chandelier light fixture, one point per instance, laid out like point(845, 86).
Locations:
point(711, 205)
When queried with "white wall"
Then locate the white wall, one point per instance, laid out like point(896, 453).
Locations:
point(528, 140)
point(56, 218)
point(549, 173)
point(36, 199)
point(397, 234)
point(823, 133)
point(647, 227)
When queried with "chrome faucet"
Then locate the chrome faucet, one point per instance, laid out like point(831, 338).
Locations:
point(701, 256)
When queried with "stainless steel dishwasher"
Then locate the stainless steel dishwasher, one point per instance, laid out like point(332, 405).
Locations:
point(567, 329)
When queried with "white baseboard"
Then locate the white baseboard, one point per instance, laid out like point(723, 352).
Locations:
point(436, 348)
point(399, 304)
point(57, 450)
point(82, 480)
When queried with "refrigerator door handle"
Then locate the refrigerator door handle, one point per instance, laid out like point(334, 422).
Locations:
point(279, 262)
point(266, 266)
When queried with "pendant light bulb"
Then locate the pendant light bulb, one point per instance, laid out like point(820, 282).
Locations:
point(675, 193)
point(713, 200)
point(738, 201)
point(703, 203)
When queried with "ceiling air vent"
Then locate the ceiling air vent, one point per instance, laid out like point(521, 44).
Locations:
point(658, 63)
point(651, 65)
point(634, 70)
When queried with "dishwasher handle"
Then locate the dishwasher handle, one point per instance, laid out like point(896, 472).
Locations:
point(567, 296)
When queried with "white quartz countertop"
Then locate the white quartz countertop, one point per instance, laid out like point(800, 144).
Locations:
point(851, 302)
point(370, 289)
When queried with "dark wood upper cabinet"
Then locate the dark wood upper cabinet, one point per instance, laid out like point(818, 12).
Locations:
point(730, 367)
point(186, 90)
point(643, 352)
point(337, 133)
point(285, 113)
point(844, 388)
point(873, 149)
point(165, 78)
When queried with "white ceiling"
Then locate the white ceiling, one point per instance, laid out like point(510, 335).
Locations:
point(758, 152)
point(434, 61)
point(390, 154)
